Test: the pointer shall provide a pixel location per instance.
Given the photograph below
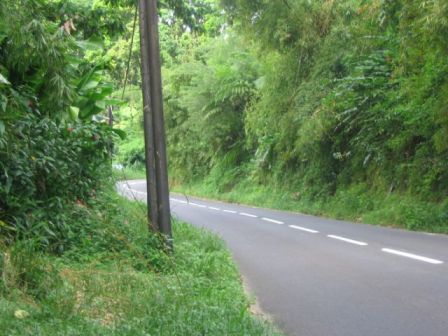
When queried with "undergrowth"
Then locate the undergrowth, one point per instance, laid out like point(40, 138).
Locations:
point(355, 203)
point(134, 172)
point(116, 280)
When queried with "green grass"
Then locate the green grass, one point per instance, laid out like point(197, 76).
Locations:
point(357, 203)
point(116, 281)
point(130, 173)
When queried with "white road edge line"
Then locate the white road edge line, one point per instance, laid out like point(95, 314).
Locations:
point(247, 214)
point(272, 220)
point(197, 205)
point(213, 208)
point(412, 256)
point(230, 211)
point(303, 229)
point(351, 241)
point(133, 183)
point(136, 191)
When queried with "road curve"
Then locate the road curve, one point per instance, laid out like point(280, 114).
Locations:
point(322, 277)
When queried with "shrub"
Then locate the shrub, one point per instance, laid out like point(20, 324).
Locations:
point(49, 170)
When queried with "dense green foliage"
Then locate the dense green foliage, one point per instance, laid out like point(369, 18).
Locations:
point(54, 147)
point(323, 101)
point(75, 258)
point(330, 107)
point(350, 91)
point(58, 60)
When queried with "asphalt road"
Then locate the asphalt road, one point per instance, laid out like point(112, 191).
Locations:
point(322, 277)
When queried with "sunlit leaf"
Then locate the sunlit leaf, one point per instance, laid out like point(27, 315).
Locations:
point(115, 102)
point(3, 80)
point(74, 112)
point(90, 85)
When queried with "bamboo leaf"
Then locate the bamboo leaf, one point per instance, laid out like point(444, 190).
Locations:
point(3, 80)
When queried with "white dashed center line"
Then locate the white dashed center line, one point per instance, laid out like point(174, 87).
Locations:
point(303, 229)
point(347, 240)
point(272, 220)
point(247, 214)
point(413, 256)
point(351, 241)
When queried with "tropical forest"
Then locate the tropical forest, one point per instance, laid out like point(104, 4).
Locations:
point(329, 108)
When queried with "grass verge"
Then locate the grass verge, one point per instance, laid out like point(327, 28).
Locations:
point(117, 281)
point(356, 203)
point(130, 173)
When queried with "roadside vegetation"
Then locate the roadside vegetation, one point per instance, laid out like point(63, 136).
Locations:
point(116, 279)
point(335, 108)
point(76, 258)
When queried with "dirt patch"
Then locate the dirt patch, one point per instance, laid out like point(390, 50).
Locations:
point(255, 307)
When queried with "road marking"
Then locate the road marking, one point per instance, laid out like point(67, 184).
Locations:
point(230, 211)
point(247, 214)
point(183, 202)
point(213, 208)
point(412, 256)
point(173, 199)
point(303, 229)
point(134, 183)
point(272, 220)
point(197, 205)
point(351, 241)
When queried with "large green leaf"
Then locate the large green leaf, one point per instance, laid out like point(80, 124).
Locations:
point(101, 104)
point(115, 102)
point(90, 85)
point(122, 134)
point(87, 111)
point(74, 112)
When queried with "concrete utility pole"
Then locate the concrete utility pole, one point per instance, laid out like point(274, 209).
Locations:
point(155, 148)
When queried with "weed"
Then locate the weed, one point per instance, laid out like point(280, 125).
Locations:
point(118, 282)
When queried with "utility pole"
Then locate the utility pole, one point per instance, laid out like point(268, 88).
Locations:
point(155, 147)
point(163, 194)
